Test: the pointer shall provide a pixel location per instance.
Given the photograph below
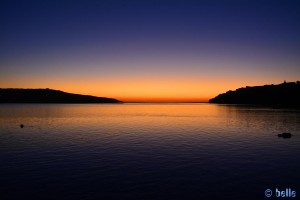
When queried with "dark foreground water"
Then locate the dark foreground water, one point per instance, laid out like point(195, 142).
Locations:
point(147, 151)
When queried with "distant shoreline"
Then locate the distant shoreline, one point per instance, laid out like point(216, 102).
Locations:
point(278, 96)
point(11, 95)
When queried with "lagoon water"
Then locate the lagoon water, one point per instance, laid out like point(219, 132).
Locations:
point(147, 151)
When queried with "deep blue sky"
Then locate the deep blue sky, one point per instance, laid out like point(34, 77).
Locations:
point(222, 44)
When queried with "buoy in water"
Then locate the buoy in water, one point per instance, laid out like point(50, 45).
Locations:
point(22, 126)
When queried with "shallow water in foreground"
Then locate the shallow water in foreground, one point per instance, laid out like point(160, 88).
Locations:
point(147, 151)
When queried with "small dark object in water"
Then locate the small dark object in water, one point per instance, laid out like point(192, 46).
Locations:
point(276, 106)
point(21, 125)
point(285, 135)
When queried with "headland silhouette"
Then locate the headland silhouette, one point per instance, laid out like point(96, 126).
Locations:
point(9, 95)
point(281, 95)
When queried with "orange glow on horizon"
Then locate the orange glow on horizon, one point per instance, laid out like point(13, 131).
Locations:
point(161, 100)
point(139, 88)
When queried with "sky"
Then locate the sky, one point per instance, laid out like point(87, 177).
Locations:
point(149, 50)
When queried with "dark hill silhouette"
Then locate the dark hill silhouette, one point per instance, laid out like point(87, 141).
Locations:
point(282, 95)
point(48, 96)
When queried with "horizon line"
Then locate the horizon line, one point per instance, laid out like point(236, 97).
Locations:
point(165, 102)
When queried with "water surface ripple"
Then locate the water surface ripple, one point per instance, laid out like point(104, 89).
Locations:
point(146, 151)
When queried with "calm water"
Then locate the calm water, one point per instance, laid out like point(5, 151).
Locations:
point(146, 151)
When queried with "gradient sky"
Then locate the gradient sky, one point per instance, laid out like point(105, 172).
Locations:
point(148, 50)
